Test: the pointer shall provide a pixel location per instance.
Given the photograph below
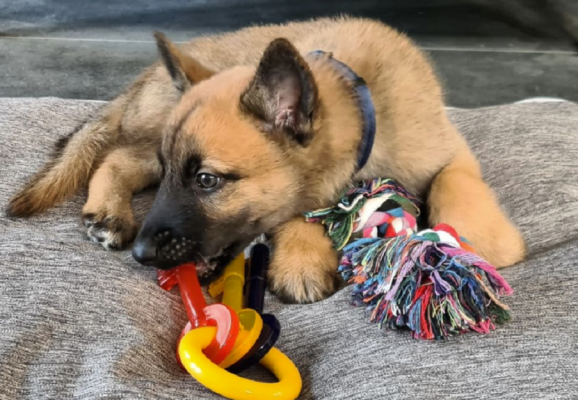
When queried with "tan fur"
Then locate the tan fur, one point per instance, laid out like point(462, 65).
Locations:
point(65, 173)
point(107, 213)
point(461, 198)
point(298, 246)
point(415, 144)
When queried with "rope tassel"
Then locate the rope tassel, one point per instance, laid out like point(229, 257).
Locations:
point(431, 282)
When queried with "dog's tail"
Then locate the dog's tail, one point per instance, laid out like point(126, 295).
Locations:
point(69, 169)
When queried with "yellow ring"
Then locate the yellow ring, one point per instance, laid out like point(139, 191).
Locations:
point(251, 327)
point(232, 386)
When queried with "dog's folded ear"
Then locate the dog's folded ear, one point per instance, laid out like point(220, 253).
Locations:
point(183, 69)
point(283, 93)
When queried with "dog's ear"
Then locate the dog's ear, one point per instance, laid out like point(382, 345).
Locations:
point(283, 94)
point(183, 69)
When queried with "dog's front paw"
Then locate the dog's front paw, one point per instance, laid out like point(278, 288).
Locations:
point(305, 285)
point(304, 264)
point(112, 232)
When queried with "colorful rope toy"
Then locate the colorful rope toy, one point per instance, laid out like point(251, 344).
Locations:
point(225, 337)
point(431, 282)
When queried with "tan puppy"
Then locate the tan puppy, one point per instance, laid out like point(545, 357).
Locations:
point(251, 132)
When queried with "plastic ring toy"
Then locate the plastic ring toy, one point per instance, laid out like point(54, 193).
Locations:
point(199, 313)
point(251, 328)
point(231, 286)
point(255, 297)
point(232, 386)
point(267, 339)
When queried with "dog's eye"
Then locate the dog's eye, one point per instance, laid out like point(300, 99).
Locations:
point(207, 181)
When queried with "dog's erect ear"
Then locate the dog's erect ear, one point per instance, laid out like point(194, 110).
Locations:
point(183, 69)
point(283, 94)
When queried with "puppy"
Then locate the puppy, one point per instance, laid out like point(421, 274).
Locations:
point(246, 131)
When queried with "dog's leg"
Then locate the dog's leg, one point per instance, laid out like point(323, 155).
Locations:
point(108, 213)
point(460, 197)
point(304, 263)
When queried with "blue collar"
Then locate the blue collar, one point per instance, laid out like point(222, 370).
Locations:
point(364, 103)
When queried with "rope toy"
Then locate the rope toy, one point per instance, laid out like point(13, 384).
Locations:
point(431, 282)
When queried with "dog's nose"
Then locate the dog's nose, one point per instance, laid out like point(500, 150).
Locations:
point(144, 250)
point(162, 250)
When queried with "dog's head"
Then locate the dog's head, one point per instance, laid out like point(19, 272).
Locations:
point(234, 154)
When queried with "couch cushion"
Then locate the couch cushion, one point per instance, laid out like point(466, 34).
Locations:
point(79, 322)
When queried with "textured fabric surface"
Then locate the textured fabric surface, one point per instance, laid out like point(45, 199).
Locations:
point(77, 322)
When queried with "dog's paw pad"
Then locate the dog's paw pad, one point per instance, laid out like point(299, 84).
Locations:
point(113, 233)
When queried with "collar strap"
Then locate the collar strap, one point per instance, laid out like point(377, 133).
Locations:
point(364, 103)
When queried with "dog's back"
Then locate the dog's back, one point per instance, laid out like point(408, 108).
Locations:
point(395, 70)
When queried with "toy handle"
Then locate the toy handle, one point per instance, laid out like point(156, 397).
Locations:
point(257, 282)
point(234, 280)
point(192, 294)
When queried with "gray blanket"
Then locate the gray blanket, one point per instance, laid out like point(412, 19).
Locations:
point(77, 322)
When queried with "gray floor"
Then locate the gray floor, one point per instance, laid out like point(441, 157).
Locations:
point(92, 49)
